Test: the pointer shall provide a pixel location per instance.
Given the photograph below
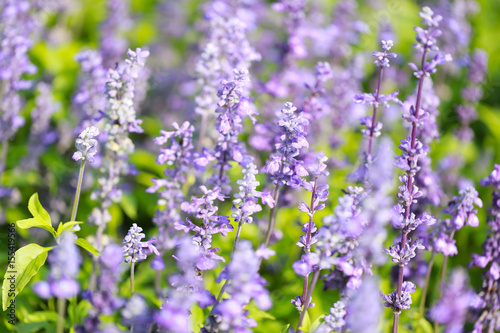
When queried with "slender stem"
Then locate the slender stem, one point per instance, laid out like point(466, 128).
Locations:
point(272, 216)
point(375, 107)
point(78, 190)
point(307, 301)
point(395, 322)
point(235, 245)
point(304, 287)
point(236, 238)
point(3, 157)
point(61, 307)
point(309, 227)
point(443, 276)
point(409, 184)
point(424, 292)
point(132, 278)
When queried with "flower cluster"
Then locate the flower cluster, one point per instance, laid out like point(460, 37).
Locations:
point(187, 288)
point(401, 302)
point(120, 121)
point(204, 208)
point(178, 156)
point(86, 144)
point(90, 98)
point(246, 285)
point(412, 150)
point(452, 308)
point(337, 240)
point(283, 167)
point(245, 202)
point(232, 108)
point(488, 307)
point(17, 23)
point(105, 298)
point(133, 247)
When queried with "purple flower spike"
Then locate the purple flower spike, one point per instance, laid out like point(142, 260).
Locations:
point(283, 168)
point(453, 307)
point(133, 248)
point(487, 307)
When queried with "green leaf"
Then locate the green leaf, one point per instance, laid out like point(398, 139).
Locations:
point(35, 208)
point(41, 219)
point(129, 206)
point(87, 246)
point(35, 222)
point(285, 329)
point(28, 261)
point(257, 313)
point(41, 316)
point(66, 226)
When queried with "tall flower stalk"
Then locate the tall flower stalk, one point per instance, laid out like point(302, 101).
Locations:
point(120, 121)
point(412, 150)
point(283, 167)
point(309, 260)
point(376, 99)
point(487, 309)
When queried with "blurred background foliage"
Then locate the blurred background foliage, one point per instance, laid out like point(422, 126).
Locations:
point(78, 27)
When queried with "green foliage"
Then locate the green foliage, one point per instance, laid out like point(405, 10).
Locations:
point(28, 261)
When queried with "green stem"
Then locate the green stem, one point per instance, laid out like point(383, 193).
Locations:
point(78, 190)
point(307, 301)
point(272, 216)
point(61, 306)
point(424, 292)
point(441, 287)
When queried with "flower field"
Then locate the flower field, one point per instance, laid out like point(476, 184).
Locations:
point(223, 166)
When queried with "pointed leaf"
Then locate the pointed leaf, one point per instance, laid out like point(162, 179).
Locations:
point(28, 261)
point(87, 246)
point(35, 222)
point(35, 208)
point(66, 226)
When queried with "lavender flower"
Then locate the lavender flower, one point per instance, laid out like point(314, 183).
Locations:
point(204, 208)
point(363, 309)
point(246, 285)
point(337, 242)
point(17, 23)
point(453, 307)
point(86, 145)
point(373, 127)
point(105, 298)
point(412, 150)
point(227, 49)
point(178, 156)
point(121, 119)
point(41, 134)
point(112, 42)
point(133, 247)
point(245, 202)
point(187, 288)
point(488, 308)
point(283, 167)
point(398, 303)
point(232, 108)
point(335, 320)
point(90, 98)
